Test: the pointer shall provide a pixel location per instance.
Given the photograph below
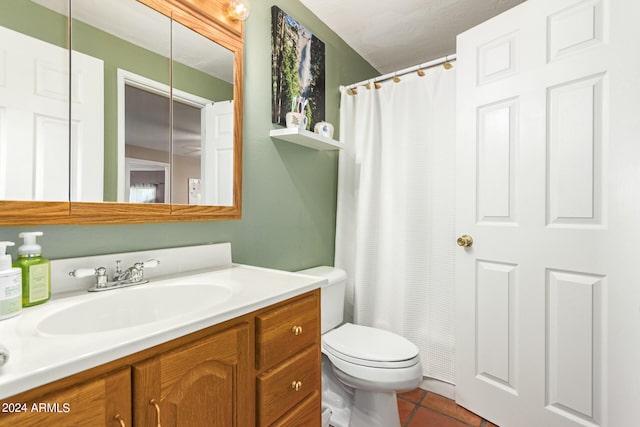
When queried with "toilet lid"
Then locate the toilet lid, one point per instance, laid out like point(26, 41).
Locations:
point(368, 346)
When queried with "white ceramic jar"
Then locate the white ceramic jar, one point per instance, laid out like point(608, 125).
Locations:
point(324, 129)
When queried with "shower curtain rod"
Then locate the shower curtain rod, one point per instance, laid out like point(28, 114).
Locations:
point(389, 76)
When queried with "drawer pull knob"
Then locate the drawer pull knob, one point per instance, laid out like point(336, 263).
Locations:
point(296, 330)
point(296, 385)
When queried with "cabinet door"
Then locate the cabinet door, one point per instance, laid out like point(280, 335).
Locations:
point(100, 402)
point(204, 383)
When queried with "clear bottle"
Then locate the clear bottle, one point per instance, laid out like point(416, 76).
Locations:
point(10, 285)
point(36, 285)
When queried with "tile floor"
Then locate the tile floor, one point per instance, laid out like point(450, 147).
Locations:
point(419, 408)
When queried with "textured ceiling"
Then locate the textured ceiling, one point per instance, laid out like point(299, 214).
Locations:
point(392, 35)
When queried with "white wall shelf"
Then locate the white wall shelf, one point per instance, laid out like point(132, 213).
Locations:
point(306, 138)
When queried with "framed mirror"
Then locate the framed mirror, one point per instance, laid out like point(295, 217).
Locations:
point(156, 115)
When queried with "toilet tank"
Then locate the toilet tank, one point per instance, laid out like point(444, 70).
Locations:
point(331, 295)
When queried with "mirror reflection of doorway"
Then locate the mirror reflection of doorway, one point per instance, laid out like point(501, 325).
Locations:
point(202, 136)
point(145, 134)
point(148, 138)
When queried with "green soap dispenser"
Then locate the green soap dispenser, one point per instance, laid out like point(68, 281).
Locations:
point(36, 286)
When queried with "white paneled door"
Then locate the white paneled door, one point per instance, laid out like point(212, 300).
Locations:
point(36, 161)
point(34, 119)
point(87, 128)
point(548, 187)
point(217, 153)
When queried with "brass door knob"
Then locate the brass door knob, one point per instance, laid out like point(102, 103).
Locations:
point(296, 385)
point(296, 330)
point(465, 241)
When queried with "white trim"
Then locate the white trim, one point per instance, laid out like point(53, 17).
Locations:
point(438, 387)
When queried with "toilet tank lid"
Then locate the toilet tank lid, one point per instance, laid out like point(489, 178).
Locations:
point(332, 274)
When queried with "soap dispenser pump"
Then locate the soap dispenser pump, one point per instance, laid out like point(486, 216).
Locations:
point(10, 285)
point(36, 286)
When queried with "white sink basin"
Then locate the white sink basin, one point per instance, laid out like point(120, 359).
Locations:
point(132, 307)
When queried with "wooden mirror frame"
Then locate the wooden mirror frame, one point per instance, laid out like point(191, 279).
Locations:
point(209, 18)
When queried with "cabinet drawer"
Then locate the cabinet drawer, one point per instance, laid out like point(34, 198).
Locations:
point(286, 330)
point(308, 413)
point(277, 392)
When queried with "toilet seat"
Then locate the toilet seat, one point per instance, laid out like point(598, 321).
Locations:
point(370, 347)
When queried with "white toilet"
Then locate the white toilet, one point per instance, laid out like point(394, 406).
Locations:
point(362, 367)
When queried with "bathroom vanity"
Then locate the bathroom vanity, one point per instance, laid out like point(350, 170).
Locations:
point(249, 356)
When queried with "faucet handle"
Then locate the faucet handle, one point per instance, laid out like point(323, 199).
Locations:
point(100, 273)
point(85, 272)
point(137, 270)
point(152, 263)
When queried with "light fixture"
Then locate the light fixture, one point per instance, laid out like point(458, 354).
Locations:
point(238, 10)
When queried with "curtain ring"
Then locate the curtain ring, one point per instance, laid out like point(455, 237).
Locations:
point(446, 64)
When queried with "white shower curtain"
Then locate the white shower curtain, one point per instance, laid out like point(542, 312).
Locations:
point(395, 219)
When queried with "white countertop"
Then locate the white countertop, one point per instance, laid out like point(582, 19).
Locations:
point(37, 359)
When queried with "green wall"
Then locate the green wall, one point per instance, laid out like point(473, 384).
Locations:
point(289, 191)
point(30, 18)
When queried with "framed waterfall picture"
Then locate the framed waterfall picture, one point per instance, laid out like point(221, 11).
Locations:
point(298, 68)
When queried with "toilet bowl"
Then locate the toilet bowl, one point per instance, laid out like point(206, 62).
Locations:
point(362, 367)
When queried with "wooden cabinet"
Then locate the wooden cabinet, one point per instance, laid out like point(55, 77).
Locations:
point(262, 368)
point(288, 364)
point(103, 401)
point(286, 330)
point(306, 413)
point(205, 383)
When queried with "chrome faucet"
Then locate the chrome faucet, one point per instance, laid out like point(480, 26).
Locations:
point(133, 275)
point(119, 275)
